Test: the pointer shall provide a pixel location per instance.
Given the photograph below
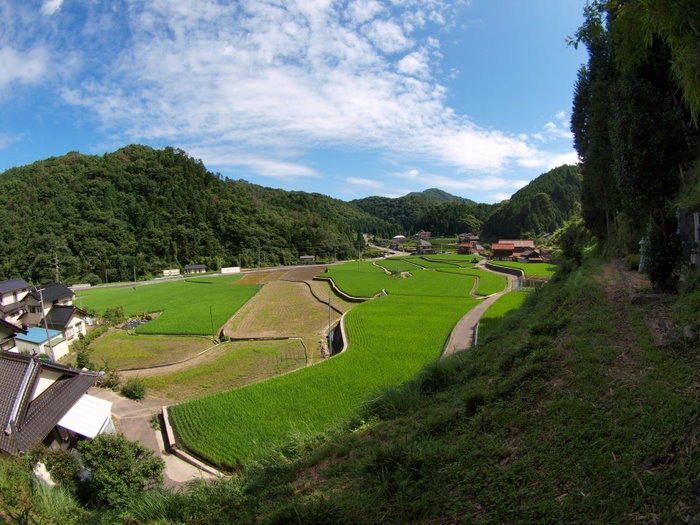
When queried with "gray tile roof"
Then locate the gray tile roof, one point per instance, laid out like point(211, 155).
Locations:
point(52, 292)
point(24, 421)
point(12, 285)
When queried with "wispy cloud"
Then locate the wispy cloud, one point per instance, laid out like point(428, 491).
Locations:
point(22, 67)
point(49, 7)
point(267, 81)
point(364, 183)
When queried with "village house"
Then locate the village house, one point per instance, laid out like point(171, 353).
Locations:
point(466, 248)
point(196, 268)
point(423, 235)
point(44, 402)
point(502, 251)
point(424, 247)
point(42, 341)
point(8, 331)
point(519, 245)
point(12, 294)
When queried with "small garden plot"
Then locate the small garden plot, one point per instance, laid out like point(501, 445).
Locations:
point(391, 339)
point(530, 269)
point(229, 365)
point(120, 350)
point(194, 306)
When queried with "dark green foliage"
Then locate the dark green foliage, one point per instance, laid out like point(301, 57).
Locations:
point(119, 469)
point(631, 128)
point(572, 239)
point(663, 262)
point(134, 388)
point(114, 315)
point(540, 207)
point(140, 210)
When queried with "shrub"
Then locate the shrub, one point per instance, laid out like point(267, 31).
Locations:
point(134, 388)
point(119, 469)
point(114, 314)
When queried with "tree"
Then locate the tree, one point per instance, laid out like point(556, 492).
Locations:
point(119, 469)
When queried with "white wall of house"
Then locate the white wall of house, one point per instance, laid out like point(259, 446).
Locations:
point(56, 351)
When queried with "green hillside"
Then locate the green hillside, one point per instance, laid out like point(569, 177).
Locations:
point(139, 210)
point(542, 206)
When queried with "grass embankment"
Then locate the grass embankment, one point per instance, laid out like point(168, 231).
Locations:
point(530, 269)
point(118, 349)
point(391, 339)
point(193, 306)
point(569, 414)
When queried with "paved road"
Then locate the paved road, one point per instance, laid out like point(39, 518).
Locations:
point(133, 419)
point(462, 336)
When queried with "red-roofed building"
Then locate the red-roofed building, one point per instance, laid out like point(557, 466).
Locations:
point(502, 251)
point(519, 245)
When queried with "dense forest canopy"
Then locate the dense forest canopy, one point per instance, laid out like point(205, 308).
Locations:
point(137, 211)
point(134, 212)
point(542, 206)
point(635, 110)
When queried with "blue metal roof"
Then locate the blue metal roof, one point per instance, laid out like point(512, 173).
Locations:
point(37, 335)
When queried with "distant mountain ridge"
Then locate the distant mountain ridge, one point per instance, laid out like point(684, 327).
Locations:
point(435, 194)
point(131, 213)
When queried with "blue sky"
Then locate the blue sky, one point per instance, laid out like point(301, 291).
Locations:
point(344, 98)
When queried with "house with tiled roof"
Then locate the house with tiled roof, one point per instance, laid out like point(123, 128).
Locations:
point(8, 331)
point(12, 295)
point(519, 245)
point(502, 251)
point(42, 401)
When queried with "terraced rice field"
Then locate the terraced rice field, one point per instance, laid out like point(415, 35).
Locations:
point(187, 307)
point(390, 339)
point(120, 350)
point(226, 366)
point(531, 269)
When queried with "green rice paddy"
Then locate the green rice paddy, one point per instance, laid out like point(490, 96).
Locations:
point(391, 339)
point(189, 306)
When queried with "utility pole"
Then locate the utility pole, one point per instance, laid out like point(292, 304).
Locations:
point(46, 326)
point(56, 269)
point(134, 273)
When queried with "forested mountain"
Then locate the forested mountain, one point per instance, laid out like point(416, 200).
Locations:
point(435, 194)
point(134, 212)
point(540, 207)
point(138, 210)
point(420, 211)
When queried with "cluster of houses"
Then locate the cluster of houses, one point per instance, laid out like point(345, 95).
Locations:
point(520, 250)
point(41, 400)
point(39, 320)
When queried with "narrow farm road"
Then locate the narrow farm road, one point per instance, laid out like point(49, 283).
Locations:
point(462, 335)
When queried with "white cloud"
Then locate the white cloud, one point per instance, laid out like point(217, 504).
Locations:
point(259, 84)
point(388, 36)
point(22, 67)
point(366, 183)
point(361, 11)
point(49, 7)
point(415, 64)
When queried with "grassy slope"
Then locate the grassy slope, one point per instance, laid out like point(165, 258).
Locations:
point(570, 415)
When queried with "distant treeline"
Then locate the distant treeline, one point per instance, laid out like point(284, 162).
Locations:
point(131, 213)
